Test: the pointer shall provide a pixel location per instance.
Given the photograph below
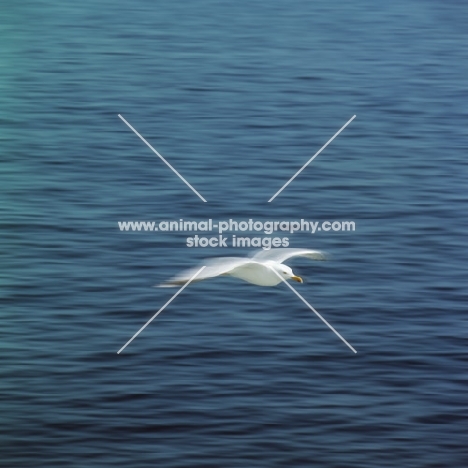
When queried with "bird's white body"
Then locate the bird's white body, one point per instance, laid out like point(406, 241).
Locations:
point(266, 268)
point(261, 274)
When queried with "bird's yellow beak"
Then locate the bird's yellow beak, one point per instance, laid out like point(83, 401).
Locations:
point(297, 278)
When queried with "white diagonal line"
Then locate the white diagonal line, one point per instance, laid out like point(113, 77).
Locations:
point(161, 309)
point(154, 151)
point(312, 158)
point(316, 313)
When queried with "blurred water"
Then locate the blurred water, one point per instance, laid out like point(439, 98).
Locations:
point(237, 96)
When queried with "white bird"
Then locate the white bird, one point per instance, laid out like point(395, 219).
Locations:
point(265, 268)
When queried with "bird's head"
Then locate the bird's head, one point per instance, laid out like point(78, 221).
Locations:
point(287, 273)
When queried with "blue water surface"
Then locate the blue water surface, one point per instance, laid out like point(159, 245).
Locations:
point(237, 96)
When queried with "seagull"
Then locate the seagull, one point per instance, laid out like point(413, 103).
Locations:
point(265, 268)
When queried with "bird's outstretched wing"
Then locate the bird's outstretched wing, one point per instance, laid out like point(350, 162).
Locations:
point(214, 267)
point(281, 255)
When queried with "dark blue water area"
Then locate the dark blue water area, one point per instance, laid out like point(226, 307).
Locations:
point(237, 96)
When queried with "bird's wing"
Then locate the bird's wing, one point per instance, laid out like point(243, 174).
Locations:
point(213, 267)
point(281, 255)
